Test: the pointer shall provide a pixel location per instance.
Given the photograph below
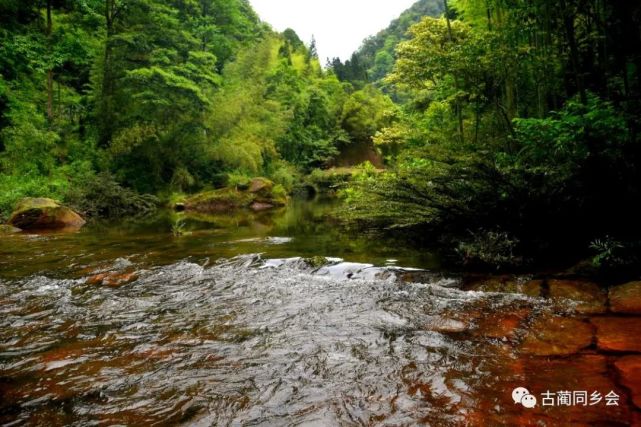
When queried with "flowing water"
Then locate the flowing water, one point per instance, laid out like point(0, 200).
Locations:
point(227, 324)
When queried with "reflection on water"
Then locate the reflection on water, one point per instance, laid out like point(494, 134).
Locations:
point(303, 229)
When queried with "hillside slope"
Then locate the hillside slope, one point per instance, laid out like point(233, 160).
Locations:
point(376, 57)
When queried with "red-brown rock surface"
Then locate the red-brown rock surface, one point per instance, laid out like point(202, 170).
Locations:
point(590, 298)
point(494, 406)
point(618, 333)
point(626, 298)
point(502, 325)
point(629, 371)
point(557, 336)
point(113, 279)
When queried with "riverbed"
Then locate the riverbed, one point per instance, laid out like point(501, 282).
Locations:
point(286, 319)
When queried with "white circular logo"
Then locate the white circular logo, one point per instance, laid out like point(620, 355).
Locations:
point(522, 396)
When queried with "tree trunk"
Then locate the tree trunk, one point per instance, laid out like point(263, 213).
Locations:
point(477, 123)
point(458, 107)
point(489, 15)
point(50, 70)
point(106, 108)
point(50, 94)
point(568, 21)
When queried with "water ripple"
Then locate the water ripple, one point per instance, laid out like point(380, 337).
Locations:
point(244, 342)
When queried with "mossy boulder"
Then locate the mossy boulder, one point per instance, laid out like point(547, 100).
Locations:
point(261, 186)
point(44, 214)
point(260, 195)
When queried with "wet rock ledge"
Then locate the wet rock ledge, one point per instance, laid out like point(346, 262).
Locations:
point(589, 321)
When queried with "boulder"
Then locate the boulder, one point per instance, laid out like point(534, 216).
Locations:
point(588, 296)
point(113, 279)
point(260, 185)
point(317, 261)
point(44, 214)
point(618, 333)
point(260, 195)
point(629, 370)
point(557, 336)
point(626, 298)
point(226, 199)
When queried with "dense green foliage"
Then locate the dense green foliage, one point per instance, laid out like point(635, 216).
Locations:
point(521, 121)
point(162, 95)
point(509, 128)
point(375, 59)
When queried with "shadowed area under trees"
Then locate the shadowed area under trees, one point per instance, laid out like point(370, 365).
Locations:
point(516, 119)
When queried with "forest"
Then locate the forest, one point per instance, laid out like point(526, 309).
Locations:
point(509, 130)
point(203, 222)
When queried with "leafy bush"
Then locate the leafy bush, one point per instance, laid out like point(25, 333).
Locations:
point(490, 248)
point(103, 197)
point(559, 147)
point(239, 180)
point(285, 175)
point(182, 180)
point(279, 192)
point(330, 180)
point(607, 252)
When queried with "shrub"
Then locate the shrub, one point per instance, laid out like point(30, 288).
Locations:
point(279, 192)
point(285, 175)
point(182, 180)
point(331, 180)
point(490, 249)
point(238, 180)
point(103, 197)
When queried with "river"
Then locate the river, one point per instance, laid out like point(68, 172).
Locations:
point(222, 321)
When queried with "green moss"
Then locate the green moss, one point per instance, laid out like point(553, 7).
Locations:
point(260, 191)
point(219, 200)
point(238, 180)
point(279, 195)
point(27, 204)
point(316, 261)
point(330, 180)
